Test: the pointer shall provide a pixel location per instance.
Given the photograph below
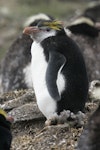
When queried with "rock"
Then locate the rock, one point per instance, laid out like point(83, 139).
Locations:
point(23, 107)
point(21, 100)
point(26, 112)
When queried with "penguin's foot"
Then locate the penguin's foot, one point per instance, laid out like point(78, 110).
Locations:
point(75, 119)
point(67, 116)
point(52, 121)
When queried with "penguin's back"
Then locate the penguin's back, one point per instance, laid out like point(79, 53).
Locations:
point(74, 95)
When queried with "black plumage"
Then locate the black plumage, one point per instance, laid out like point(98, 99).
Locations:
point(84, 29)
point(5, 133)
point(75, 93)
point(55, 62)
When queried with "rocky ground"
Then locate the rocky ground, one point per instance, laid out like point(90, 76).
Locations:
point(29, 130)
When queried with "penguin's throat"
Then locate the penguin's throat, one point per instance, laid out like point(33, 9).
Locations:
point(40, 36)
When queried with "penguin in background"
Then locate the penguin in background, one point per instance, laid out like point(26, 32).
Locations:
point(5, 133)
point(58, 70)
point(88, 23)
point(84, 25)
point(90, 138)
point(93, 12)
point(15, 66)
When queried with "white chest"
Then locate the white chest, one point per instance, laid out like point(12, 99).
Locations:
point(38, 66)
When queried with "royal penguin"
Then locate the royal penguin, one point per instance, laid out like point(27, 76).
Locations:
point(88, 23)
point(15, 66)
point(84, 25)
point(58, 70)
point(5, 132)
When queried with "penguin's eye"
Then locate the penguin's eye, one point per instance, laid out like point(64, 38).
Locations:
point(45, 28)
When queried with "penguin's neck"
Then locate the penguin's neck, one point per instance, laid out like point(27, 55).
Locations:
point(43, 36)
point(61, 32)
point(48, 40)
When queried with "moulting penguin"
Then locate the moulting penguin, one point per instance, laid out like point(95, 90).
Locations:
point(5, 133)
point(58, 70)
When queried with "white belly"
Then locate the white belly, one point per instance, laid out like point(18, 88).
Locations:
point(38, 65)
point(46, 103)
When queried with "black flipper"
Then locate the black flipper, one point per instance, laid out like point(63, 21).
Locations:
point(56, 61)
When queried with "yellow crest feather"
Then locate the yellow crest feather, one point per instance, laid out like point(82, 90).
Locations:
point(56, 25)
point(2, 112)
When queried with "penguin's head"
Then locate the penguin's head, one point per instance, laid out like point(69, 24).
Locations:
point(43, 30)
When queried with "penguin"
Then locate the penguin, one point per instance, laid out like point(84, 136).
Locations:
point(84, 26)
point(58, 70)
point(5, 133)
point(15, 66)
point(93, 12)
point(90, 138)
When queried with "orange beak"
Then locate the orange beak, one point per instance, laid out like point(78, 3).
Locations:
point(30, 30)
